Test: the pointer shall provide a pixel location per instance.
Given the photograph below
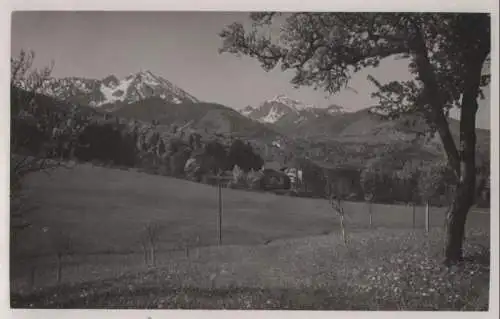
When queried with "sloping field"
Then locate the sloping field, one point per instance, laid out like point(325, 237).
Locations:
point(104, 211)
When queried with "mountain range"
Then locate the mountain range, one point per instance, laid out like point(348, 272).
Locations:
point(282, 110)
point(328, 134)
point(111, 92)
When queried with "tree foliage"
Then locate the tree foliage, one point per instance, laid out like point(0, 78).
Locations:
point(243, 155)
point(435, 180)
point(107, 143)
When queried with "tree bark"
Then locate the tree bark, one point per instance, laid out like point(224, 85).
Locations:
point(457, 218)
point(434, 98)
point(466, 188)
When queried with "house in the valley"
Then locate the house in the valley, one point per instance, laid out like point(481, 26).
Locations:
point(295, 175)
point(274, 165)
point(274, 177)
point(323, 178)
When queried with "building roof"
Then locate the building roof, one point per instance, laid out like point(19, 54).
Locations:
point(272, 165)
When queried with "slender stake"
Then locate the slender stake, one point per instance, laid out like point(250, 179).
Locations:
point(153, 256)
point(32, 276)
point(427, 217)
point(220, 213)
point(414, 217)
point(343, 229)
point(145, 249)
point(59, 268)
point(371, 213)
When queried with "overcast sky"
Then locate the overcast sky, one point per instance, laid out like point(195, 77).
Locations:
point(181, 47)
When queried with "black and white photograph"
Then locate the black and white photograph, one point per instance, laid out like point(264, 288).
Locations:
point(252, 160)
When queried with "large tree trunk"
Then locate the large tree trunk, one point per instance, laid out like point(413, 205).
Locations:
point(464, 196)
point(466, 188)
point(476, 42)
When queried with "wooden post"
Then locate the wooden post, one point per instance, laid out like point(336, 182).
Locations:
point(153, 256)
point(445, 219)
point(413, 212)
point(370, 213)
point(340, 211)
point(342, 226)
point(32, 276)
point(427, 217)
point(145, 248)
point(220, 214)
point(59, 268)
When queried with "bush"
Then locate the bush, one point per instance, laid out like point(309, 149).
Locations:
point(242, 154)
point(436, 183)
point(107, 143)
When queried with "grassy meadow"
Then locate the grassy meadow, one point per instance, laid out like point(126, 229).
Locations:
point(275, 248)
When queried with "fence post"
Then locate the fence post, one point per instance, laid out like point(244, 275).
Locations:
point(413, 212)
point(32, 276)
point(220, 214)
point(445, 219)
point(370, 211)
point(427, 217)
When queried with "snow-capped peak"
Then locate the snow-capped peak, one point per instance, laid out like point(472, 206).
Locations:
point(272, 110)
point(273, 116)
point(141, 85)
point(290, 110)
point(247, 110)
point(294, 104)
point(109, 90)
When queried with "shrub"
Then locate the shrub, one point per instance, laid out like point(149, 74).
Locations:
point(243, 155)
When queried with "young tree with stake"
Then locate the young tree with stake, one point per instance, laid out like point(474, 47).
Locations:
point(150, 237)
point(368, 180)
point(62, 245)
point(334, 193)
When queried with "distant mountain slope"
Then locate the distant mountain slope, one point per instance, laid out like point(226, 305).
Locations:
point(111, 90)
point(209, 117)
point(364, 126)
point(282, 110)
